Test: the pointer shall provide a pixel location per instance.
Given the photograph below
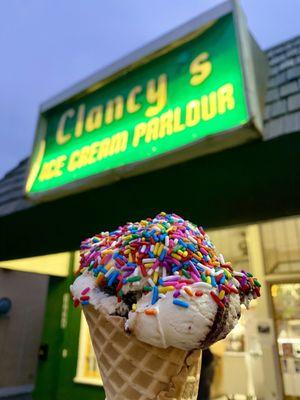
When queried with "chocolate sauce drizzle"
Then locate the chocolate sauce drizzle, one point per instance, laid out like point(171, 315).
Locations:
point(217, 328)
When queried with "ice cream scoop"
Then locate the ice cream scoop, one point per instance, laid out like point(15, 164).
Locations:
point(197, 326)
point(164, 276)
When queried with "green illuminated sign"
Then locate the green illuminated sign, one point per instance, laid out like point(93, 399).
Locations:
point(158, 108)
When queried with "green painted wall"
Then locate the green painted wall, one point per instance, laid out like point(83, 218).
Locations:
point(55, 375)
point(48, 370)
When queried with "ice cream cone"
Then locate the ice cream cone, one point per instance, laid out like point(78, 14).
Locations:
point(133, 370)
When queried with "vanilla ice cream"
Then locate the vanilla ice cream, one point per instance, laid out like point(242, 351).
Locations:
point(164, 276)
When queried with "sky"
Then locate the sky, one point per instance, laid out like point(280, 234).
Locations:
point(48, 45)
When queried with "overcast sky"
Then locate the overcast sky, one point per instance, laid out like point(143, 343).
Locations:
point(48, 45)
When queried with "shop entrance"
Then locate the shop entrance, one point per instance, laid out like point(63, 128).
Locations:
point(286, 305)
point(51, 345)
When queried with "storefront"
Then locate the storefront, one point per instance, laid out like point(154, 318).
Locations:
point(150, 144)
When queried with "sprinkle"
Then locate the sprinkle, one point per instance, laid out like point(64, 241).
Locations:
point(179, 285)
point(176, 256)
point(156, 247)
point(228, 274)
point(171, 278)
point(198, 256)
point(99, 279)
point(236, 282)
point(162, 254)
point(110, 271)
point(216, 299)
point(184, 294)
point(151, 311)
point(155, 265)
point(236, 273)
point(120, 261)
point(195, 271)
point(151, 282)
point(143, 270)
point(213, 281)
point(203, 251)
point(188, 291)
point(192, 239)
point(195, 277)
point(256, 283)
point(167, 241)
point(85, 291)
point(119, 286)
point(154, 295)
point(160, 249)
point(148, 260)
point(232, 289)
point(181, 303)
point(221, 259)
point(221, 294)
point(155, 277)
point(165, 289)
point(225, 288)
point(106, 259)
point(204, 285)
point(112, 278)
point(134, 279)
point(133, 307)
point(185, 273)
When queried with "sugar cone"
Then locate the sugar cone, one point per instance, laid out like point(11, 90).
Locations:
point(133, 370)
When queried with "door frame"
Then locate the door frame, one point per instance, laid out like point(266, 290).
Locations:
point(274, 279)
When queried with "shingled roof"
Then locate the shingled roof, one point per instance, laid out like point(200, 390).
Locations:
point(282, 116)
point(282, 112)
point(12, 188)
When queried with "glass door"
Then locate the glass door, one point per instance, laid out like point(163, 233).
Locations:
point(286, 304)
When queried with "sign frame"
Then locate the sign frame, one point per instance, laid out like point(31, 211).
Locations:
point(248, 51)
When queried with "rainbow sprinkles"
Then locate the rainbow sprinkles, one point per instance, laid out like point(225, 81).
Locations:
point(161, 255)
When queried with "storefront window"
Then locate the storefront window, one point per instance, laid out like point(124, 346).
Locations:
point(281, 245)
point(286, 302)
point(87, 370)
point(240, 354)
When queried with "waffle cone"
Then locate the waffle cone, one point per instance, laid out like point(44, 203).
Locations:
point(133, 370)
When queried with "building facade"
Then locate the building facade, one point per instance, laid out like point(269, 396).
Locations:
point(248, 198)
